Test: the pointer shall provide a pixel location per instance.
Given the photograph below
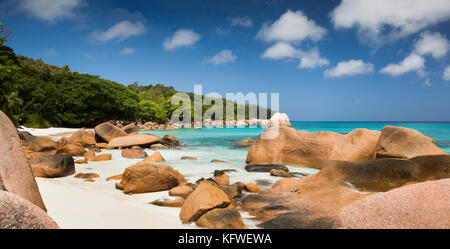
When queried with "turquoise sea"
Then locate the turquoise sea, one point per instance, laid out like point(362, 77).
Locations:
point(217, 138)
point(219, 143)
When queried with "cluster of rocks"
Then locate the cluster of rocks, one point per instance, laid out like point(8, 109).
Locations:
point(210, 203)
point(395, 178)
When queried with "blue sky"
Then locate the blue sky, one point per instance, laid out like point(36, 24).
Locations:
point(329, 60)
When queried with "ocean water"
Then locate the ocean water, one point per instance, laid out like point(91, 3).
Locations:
point(222, 140)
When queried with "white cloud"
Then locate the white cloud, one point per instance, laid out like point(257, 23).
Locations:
point(127, 51)
point(432, 43)
point(291, 27)
point(351, 67)
point(413, 62)
point(223, 57)
point(49, 10)
point(284, 50)
point(446, 75)
point(427, 82)
point(383, 20)
point(120, 31)
point(241, 21)
point(281, 50)
point(312, 59)
point(181, 38)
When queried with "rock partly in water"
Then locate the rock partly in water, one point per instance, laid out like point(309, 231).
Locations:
point(401, 142)
point(87, 175)
point(204, 198)
point(221, 218)
point(188, 158)
point(146, 177)
point(170, 141)
point(51, 166)
point(84, 137)
point(280, 173)
point(108, 132)
point(18, 213)
point(155, 157)
point(16, 175)
point(265, 167)
point(134, 153)
point(158, 147)
point(247, 142)
point(172, 201)
point(132, 140)
point(217, 161)
point(301, 148)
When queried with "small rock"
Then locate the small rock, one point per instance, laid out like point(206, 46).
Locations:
point(188, 158)
point(133, 153)
point(86, 175)
point(181, 191)
point(170, 140)
point(155, 157)
point(252, 187)
point(115, 177)
point(222, 180)
point(221, 218)
point(281, 173)
point(265, 167)
point(102, 157)
point(172, 201)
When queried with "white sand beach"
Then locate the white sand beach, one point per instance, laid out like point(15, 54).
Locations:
point(74, 203)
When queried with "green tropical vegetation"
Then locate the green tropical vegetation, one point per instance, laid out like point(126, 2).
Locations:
point(35, 94)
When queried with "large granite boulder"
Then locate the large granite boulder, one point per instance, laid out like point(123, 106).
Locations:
point(401, 142)
point(132, 140)
point(16, 175)
point(418, 206)
point(43, 144)
point(18, 213)
point(314, 201)
point(83, 137)
point(108, 132)
point(221, 218)
point(204, 198)
point(314, 149)
point(147, 177)
point(51, 166)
